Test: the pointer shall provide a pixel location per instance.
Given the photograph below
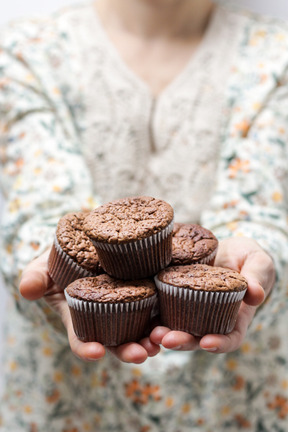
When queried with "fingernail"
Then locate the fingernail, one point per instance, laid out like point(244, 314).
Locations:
point(210, 349)
point(178, 347)
point(91, 359)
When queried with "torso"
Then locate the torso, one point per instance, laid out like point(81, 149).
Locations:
point(130, 137)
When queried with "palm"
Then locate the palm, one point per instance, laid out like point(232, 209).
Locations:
point(245, 256)
point(36, 283)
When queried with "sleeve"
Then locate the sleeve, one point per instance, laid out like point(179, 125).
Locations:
point(43, 172)
point(251, 196)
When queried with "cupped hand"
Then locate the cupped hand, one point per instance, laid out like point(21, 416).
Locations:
point(248, 258)
point(36, 283)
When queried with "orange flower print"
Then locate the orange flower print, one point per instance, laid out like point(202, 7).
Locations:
point(280, 405)
point(13, 366)
point(263, 78)
point(19, 162)
point(238, 165)
point(56, 188)
point(27, 409)
point(242, 422)
point(186, 408)
point(231, 364)
point(145, 428)
point(230, 204)
point(243, 128)
point(14, 205)
point(141, 394)
point(104, 378)
point(239, 383)
point(53, 397)
point(76, 371)
point(58, 377)
point(277, 196)
point(200, 421)
point(169, 402)
point(47, 351)
point(34, 245)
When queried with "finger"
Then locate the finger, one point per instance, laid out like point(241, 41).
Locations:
point(151, 348)
point(255, 293)
point(259, 271)
point(178, 340)
point(130, 353)
point(88, 351)
point(232, 341)
point(158, 333)
point(35, 280)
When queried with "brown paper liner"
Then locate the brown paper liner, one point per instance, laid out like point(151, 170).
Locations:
point(196, 311)
point(63, 269)
point(139, 259)
point(108, 323)
point(209, 259)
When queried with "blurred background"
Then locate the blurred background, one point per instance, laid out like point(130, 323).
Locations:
point(15, 9)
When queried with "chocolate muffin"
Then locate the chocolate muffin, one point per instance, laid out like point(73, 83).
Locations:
point(200, 299)
point(73, 255)
point(192, 243)
point(111, 311)
point(133, 236)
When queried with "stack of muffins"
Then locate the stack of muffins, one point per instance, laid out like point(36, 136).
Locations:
point(126, 260)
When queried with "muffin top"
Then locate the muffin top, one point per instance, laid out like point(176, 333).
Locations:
point(105, 289)
point(73, 241)
point(191, 243)
point(128, 219)
point(203, 277)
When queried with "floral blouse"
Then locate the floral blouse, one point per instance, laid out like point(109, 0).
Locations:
point(78, 127)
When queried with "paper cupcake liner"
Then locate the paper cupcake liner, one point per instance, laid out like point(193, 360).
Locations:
point(63, 269)
point(198, 312)
point(209, 259)
point(111, 324)
point(137, 259)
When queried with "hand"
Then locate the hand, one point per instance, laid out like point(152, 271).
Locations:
point(36, 283)
point(248, 258)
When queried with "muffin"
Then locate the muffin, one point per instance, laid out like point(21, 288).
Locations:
point(133, 236)
point(191, 244)
point(111, 311)
point(200, 299)
point(73, 255)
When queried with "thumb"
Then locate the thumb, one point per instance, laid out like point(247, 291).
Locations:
point(259, 271)
point(35, 280)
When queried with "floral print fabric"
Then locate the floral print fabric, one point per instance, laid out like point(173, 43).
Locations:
point(44, 174)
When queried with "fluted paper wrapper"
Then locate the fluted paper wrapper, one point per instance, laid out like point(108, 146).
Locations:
point(137, 259)
point(198, 312)
point(111, 324)
point(209, 259)
point(63, 269)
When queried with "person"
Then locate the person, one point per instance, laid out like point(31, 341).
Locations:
point(181, 100)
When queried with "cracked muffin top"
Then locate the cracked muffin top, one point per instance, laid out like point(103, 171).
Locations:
point(128, 219)
point(75, 243)
point(191, 243)
point(203, 277)
point(105, 289)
